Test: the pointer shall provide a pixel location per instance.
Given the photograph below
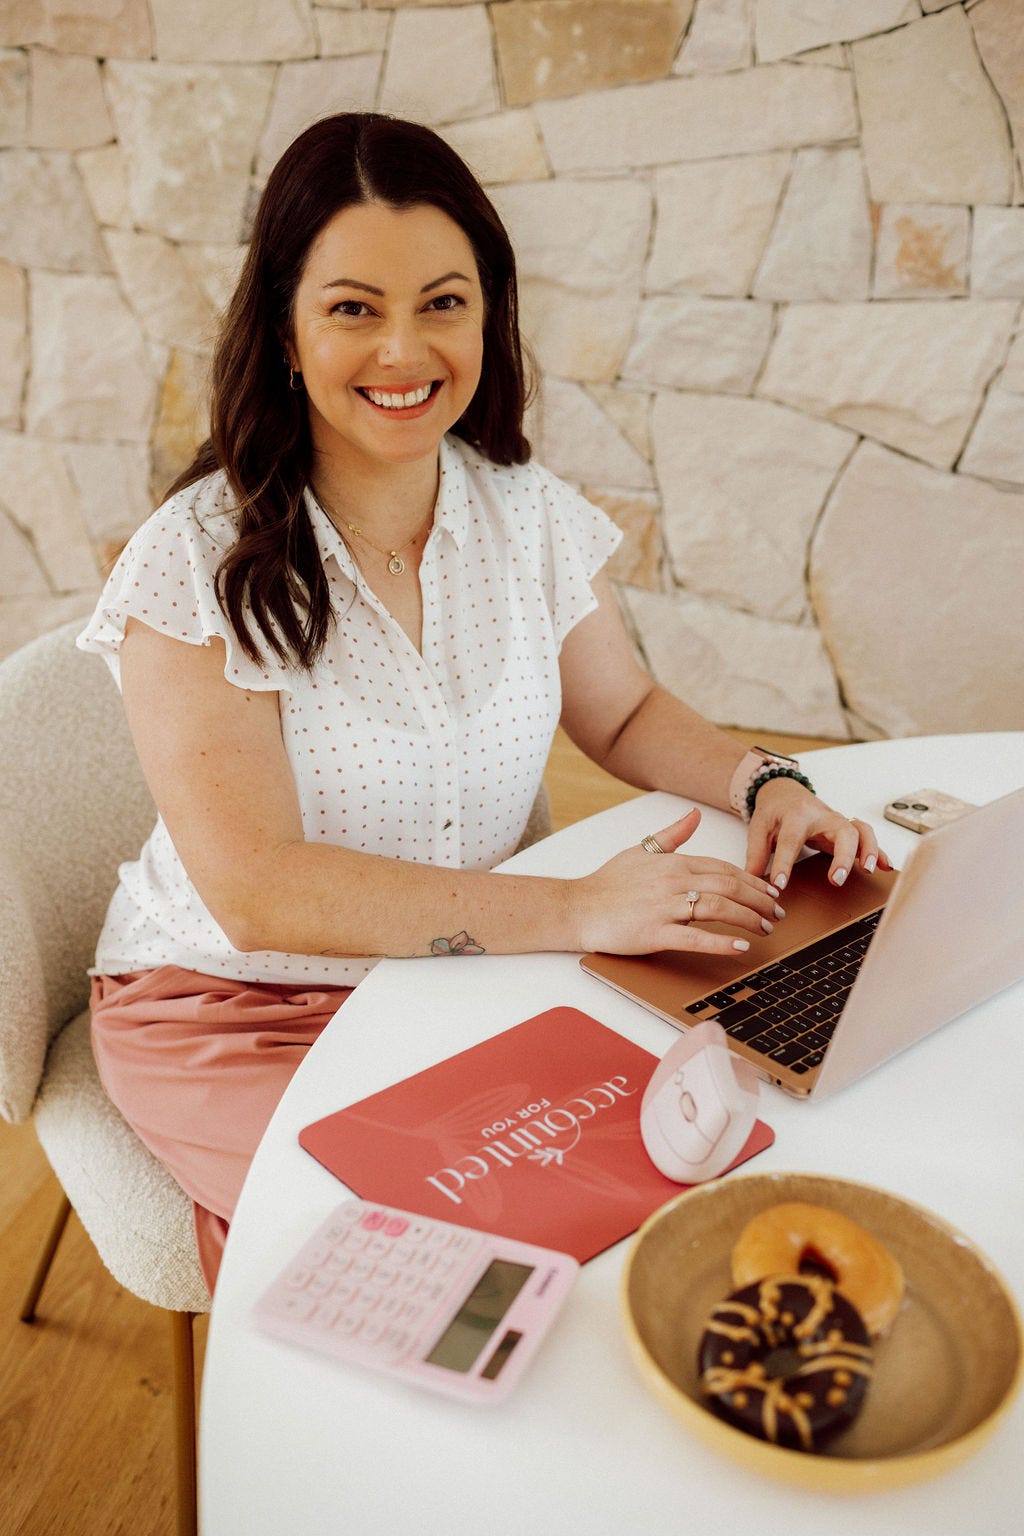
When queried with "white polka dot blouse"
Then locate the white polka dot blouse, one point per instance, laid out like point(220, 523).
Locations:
point(433, 756)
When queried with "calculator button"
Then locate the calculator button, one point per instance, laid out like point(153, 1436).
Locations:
point(373, 1221)
point(385, 1275)
point(297, 1279)
point(321, 1284)
point(378, 1247)
point(361, 1267)
point(298, 1308)
point(418, 1232)
point(395, 1226)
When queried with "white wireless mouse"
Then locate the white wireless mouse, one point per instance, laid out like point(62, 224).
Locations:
point(699, 1107)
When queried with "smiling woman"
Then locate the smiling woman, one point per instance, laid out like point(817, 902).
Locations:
point(344, 644)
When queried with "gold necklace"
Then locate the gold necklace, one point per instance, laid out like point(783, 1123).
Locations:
point(396, 565)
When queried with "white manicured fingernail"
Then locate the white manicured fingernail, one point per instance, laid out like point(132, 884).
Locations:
point(740, 944)
point(766, 925)
point(839, 878)
point(780, 911)
point(869, 863)
point(781, 881)
point(772, 891)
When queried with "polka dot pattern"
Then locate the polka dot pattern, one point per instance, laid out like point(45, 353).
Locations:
point(431, 757)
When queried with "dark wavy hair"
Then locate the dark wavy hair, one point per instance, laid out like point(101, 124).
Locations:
point(272, 579)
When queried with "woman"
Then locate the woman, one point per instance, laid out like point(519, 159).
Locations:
point(344, 644)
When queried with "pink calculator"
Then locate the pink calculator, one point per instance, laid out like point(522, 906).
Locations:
point(458, 1311)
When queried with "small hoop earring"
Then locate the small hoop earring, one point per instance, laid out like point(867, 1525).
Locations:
point(293, 374)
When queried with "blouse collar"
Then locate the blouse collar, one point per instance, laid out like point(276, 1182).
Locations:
point(451, 510)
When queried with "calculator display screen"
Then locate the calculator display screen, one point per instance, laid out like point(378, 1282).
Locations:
point(479, 1315)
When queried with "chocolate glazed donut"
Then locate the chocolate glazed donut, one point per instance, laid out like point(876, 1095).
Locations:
point(788, 1360)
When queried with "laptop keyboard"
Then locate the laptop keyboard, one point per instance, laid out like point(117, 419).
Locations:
point(788, 1010)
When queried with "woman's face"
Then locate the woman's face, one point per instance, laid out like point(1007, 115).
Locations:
point(387, 332)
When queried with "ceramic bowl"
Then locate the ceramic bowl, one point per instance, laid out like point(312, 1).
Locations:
point(946, 1370)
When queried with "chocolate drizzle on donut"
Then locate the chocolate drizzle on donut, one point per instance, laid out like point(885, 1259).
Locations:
point(788, 1359)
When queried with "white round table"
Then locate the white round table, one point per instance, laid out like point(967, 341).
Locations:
point(291, 1445)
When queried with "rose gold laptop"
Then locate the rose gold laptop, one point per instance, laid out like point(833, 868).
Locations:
point(850, 977)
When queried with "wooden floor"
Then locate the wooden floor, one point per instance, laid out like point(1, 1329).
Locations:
point(85, 1391)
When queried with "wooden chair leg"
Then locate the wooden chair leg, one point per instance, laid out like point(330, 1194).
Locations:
point(185, 1422)
point(42, 1269)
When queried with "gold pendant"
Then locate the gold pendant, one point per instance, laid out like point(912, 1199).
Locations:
point(396, 565)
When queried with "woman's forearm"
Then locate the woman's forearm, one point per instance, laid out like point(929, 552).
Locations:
point(666, 745)
point(310, 898)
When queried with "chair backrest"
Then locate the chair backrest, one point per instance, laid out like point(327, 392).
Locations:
point(73, 806)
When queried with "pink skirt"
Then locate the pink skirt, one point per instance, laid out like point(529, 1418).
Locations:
point(197, 1065)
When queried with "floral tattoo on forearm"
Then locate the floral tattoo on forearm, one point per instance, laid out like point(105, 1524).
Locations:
point(459, 944)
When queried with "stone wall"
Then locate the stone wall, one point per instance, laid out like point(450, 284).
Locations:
point(773, 269)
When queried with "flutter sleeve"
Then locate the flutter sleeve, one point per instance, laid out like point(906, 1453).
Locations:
point(166, 578)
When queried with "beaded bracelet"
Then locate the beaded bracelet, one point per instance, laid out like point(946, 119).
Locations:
point(774, 773)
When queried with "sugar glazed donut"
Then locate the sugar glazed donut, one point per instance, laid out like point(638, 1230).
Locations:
point(794, 1237)
point(787, 1360)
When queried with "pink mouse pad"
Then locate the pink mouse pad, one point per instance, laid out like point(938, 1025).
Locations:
point(533, 1134)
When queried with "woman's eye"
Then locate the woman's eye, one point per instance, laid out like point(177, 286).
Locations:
point(447, 301)
point(352, 308)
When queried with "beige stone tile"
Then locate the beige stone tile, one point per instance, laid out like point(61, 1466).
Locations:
point(20, 571)
point(575, 439)
point(750, 111)
point(69, 109)
point(560, 47)
point(311, 89)
point(915, 578)
point(233, 31)
point(39, 495)
point(499, 149)
point(743, 483)
point(997, 253)
point(440, 65)
point(721, 36)
point(104, 174)
point(216, 269)
point(45, 217)
point(785, 27)
point(630, 409)
point(13, 342)
point(14, 98)
point(638, 559)
point(161, 290)
point(689, 342)
point(713, 222)
point(821, 245)
point(348, 31)
point(588, 235)
point(737, 669)
point(921, 252)
point(999, 35)
point(995, 450)
point(112, 482)
point(581, 336)
point(924, 141)
point(182, 419)
point(910, 374)
point(189, 131)
point(90, 370)
point(110, 29)
point(1012, 376)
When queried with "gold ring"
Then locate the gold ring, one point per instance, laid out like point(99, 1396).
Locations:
point(692, 897)
point(651, 845)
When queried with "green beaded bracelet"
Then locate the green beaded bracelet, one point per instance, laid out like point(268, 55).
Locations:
point(774, 773)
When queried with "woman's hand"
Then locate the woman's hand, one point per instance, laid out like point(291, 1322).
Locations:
point(786, 816)
point(639, 902)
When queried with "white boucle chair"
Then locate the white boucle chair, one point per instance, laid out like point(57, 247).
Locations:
point(73, 805)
